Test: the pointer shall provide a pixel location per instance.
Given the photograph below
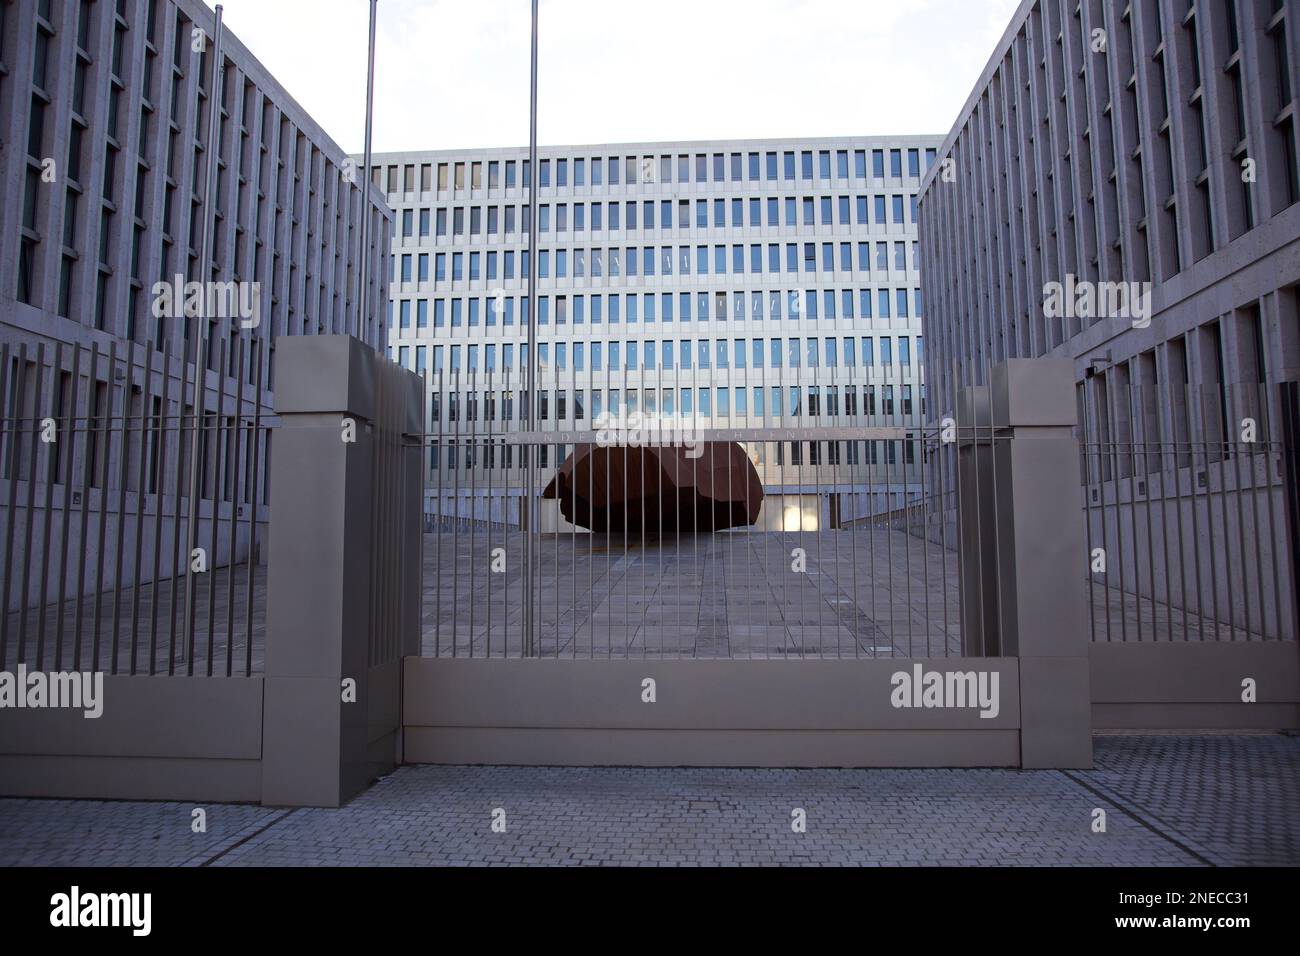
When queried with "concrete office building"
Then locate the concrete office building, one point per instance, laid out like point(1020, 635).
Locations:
point(104, 145)
point(1151, 146)
point(754, 283)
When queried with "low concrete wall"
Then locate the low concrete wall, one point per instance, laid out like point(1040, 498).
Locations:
point(1190, 686)
point(159, 738)
point(706, 713)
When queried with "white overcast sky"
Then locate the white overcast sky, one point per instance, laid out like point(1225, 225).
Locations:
point(454, 73)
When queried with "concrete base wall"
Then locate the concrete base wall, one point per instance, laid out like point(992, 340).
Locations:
point(159, 738)
point(1193, 686)
point(705, 713)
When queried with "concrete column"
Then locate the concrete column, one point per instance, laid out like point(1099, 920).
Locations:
point(1041, 559)
point(319, 750)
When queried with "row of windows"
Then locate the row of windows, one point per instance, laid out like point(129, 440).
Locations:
point(1178, 141)
point(753, 166)
point(631, 261)
point(498, 455)
point(763, 401)
point(122, 211)
point(631, 308)
point(632, 215)
point(669, 354)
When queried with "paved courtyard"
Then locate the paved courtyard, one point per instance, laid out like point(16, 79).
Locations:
point(1208, 800)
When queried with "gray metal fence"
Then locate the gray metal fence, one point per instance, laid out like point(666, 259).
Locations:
point(853, 552)
point(96, 535)
point(1188, 538)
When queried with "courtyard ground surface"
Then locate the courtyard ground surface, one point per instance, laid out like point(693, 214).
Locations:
point(1170, 800)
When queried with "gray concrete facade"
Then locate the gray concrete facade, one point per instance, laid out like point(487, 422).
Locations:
point(725, 283)
point(1113, 148)
point(105, 111)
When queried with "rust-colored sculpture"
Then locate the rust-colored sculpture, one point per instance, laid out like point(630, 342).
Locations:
point(658, 488)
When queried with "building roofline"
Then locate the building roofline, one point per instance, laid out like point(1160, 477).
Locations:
point(986, 75)
point(919, 139)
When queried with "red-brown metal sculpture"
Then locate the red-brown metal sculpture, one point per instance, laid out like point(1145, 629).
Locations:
point(658, 488)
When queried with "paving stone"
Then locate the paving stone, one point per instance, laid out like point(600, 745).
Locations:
point(1171, 800)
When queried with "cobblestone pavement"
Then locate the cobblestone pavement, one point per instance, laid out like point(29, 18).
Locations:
point(1170, 800)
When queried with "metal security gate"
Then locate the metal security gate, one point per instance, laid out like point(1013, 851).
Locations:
point(851, 554)
point(874, 564)
point(105, 564)
point(1189, 537)
point(1192, 522)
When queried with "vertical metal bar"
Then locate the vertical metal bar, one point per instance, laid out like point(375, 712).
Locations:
point(236, 486)
point(69, 429)
point(439, 519)
point(591, 535)
point(180, 563)
point(160, 493)
point(376, 567)
point(201, 334)
point(10, 437)
point(124, 454)
point(47, 507)
point(626, 449)
point(1170, 451)
point(1119, 517)
point(455, 527)
point(1241, 521)
point(1164, 525)
point(1146, 482)
point(1227, 534)
point(642, 469)
point(573, 504)
point(219, 464)
point(815, 463)
point(87, 469)
point(472, 407)
point(1212, 551)
point(940, 473)
point(489, 411)
point(891, 420)
point(1085, 449)
point(850, 447)
point(1194, 508)
point(37, 397)
point(609, 536)
point(9, 432)
point(139, 503)
point(255, 437)
point(919, 460)
point(868, 446)
point(1272, 514)
point(1255, 526)
point(530, 491)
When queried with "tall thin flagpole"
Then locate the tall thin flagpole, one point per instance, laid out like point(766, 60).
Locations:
point(201, 335)
point(530, 404)
point(365, 179)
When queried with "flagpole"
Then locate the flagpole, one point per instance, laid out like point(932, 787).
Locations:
point(366, 181)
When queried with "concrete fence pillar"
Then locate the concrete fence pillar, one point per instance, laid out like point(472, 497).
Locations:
point(1022, 560)
point(1042, 562)
point(345, 501)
